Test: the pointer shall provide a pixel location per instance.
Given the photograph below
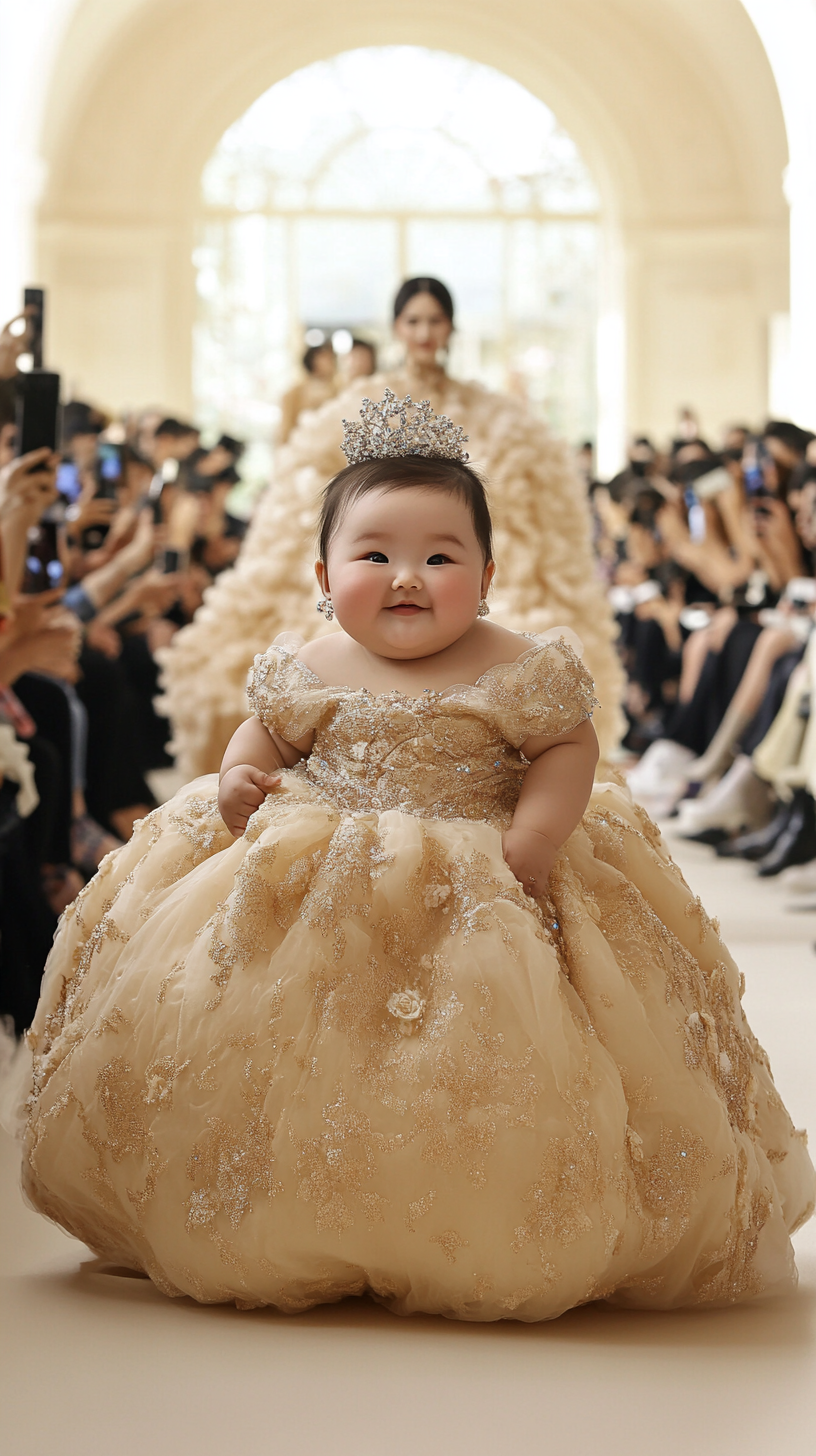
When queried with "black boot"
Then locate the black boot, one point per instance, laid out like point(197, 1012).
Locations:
point(797, 843)
point(760, 841)
point(712, 837)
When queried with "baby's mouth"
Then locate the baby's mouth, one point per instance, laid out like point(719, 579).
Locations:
point(406, 609)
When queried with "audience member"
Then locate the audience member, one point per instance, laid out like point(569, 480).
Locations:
point(360, 362)
point(709, 554)
point(318, 385)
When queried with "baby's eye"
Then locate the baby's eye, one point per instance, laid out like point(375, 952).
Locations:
point(376, 556)
point(438, 559)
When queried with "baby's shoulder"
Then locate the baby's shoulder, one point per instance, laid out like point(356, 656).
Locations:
point(326, 656)
point(499, 645)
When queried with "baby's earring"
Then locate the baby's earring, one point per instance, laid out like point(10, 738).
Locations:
point(325, 606)
point(483, 609)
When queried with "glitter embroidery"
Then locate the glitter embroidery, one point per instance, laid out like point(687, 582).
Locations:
point(347, 1053)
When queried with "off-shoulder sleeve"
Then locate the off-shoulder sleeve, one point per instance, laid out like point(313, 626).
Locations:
point(287, 697)
point(546, 692)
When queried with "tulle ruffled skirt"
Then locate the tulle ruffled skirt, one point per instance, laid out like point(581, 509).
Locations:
point(347, 1053)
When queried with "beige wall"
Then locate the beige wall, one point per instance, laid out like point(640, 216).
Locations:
point(672, 102)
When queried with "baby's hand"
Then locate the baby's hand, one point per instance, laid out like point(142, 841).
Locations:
point(530, 856)
point(242, 791)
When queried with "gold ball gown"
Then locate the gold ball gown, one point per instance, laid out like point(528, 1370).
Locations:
point(545, 569)
point(346, 1053)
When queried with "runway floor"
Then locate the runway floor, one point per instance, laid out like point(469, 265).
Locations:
point(95, 1363)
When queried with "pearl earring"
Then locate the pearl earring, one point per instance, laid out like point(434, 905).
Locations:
point(325, 607)
point(483, 609)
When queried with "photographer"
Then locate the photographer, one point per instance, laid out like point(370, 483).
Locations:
point(40, 639)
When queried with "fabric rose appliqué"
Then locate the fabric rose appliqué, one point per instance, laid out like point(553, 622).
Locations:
point(408, 1008)
point(435, 895)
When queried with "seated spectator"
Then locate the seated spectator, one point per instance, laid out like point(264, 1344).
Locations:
point(735, 528)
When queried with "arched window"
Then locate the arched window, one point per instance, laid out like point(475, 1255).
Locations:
point(377, 165)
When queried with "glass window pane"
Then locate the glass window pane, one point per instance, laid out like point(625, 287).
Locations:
point(460, 172)
point(346, 270)
point(399, 170)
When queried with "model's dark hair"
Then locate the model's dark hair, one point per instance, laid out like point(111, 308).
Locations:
point(791, 435)
point(412, 286)
point(312, 353)
point(451, 477)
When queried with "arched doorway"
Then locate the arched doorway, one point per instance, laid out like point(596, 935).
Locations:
point(383, 163)
point(673, 107)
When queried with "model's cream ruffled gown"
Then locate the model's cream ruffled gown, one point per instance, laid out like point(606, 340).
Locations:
point(347, 1053)
point(545, 576)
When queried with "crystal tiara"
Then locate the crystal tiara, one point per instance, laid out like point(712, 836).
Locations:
point(419, 432)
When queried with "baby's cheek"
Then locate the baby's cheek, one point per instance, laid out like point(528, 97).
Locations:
point(357, 597)
point(455, 599)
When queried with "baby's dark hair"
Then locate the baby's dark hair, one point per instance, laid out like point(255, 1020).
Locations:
point(453, 477)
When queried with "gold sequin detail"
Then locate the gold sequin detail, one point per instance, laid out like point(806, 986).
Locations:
point(443, 754)
point(450, 1242)
point(579, 1112)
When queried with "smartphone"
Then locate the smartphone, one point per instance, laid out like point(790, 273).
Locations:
point(108, 474)
point(69, 484)
point(43, 568)
point(752, 472)
point(34, 304)
point(172, 559)
point(37, 410)
point(696, 515)
point(153, 498)
point(108, 470)
point(754, 480)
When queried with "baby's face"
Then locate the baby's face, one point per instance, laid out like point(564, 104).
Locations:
point(406, 572)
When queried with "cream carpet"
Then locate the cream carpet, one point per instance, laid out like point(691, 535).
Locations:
point(94, 1362)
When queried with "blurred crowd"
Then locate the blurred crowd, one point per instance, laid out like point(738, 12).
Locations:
point(708, 552)
point(107, 547)
point(106, 550)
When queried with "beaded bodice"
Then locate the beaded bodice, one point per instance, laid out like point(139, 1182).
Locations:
point(424, 756)
point(452, 754)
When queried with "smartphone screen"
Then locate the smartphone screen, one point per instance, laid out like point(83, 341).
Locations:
point(752, 472)
point(37, 410)
point(34, 305)
point(108, 470)
point(696, 515)
point(69, 484)
point(171, 559)
point(43, 568)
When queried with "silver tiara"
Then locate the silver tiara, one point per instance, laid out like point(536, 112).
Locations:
point(419, 433)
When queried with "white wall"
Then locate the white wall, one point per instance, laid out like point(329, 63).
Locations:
point(30, 36)
point(787, 29)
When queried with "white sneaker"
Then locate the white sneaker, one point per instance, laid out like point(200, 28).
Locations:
point(660, 779)
point(738, 799)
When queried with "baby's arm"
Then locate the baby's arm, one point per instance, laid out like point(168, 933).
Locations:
point(248, 771)
point(553, 797)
